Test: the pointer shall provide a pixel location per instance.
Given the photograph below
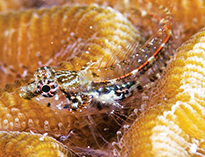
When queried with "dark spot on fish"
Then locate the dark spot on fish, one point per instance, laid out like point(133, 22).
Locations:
point(49, 104)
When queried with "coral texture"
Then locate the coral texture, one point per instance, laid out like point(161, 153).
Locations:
point(26, 144)
point(190, 21)
point(26, 39)
point(51, 36)
point(174, 126)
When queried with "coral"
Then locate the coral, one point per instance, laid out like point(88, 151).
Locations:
point(174, 126)
point(23, 115)
point(51, 36)
point(10, 5)
point(26, 39)
point(25, 144)
point(190, 21)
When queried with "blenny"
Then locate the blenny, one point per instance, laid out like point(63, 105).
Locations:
point(179, 130)
point(84, 91)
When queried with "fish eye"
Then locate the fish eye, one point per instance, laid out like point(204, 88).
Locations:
point(47, 88)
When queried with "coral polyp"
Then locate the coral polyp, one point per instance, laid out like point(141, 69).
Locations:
point(174, 126)
point(50, 36)
point(25, 144)
point(80, 34)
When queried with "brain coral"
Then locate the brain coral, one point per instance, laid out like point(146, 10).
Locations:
point(167, 129)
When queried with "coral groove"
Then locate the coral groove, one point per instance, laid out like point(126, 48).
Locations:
point(175, 126)
point(26, 144)
point(51, 36)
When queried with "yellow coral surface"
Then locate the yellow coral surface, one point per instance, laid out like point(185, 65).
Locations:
point(174, 126)
point(51, 36)
point(26, 144)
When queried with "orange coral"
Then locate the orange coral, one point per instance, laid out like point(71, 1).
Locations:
point(34, 38)
point(10, 5)
point(189, 14)
point(176, 126)
point(26, 144)
point(162, 130)
point(23, 115)
point(25, 36)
